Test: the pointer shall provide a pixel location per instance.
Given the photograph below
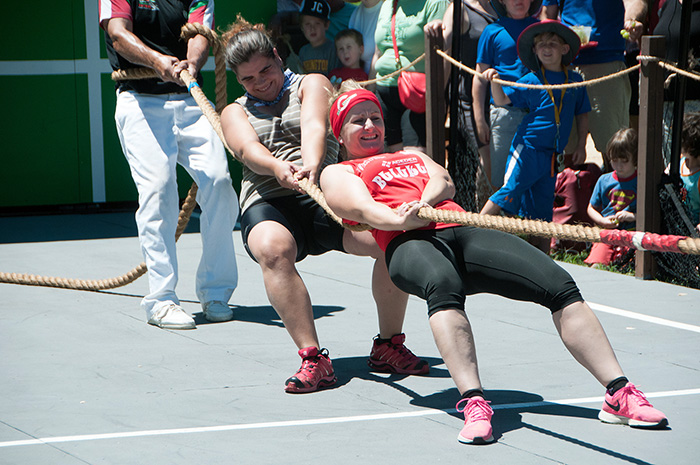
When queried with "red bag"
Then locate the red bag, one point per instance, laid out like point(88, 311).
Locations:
point(411, 84)
point(573, 191)
point(412, 90)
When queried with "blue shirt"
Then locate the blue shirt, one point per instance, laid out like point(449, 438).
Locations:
point(606, 17)
point(538, 130)
point(612, 195)
point(497, 47)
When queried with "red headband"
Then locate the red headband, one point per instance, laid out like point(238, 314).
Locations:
point(345, 102)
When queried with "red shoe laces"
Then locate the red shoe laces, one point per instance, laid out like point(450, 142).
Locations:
point(405, 354)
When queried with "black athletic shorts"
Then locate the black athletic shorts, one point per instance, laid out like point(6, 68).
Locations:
point(314, 231)
point(443, 266)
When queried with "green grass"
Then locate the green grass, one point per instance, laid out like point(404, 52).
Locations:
point(577, 258)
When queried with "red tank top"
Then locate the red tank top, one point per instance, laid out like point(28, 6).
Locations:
point(393, 179)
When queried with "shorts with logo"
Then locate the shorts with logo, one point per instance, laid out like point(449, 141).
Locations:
point(313, 230)
point(528, 188)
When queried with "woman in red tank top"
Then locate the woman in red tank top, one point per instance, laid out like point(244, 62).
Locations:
point(444, 263)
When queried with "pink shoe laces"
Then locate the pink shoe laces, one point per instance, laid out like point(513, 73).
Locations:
point(640, 399)
point(476, 409)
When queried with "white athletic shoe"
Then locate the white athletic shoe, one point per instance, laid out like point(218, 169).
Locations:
point(217, 311)
point(171, 316)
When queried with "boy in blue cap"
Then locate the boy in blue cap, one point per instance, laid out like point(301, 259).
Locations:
point(546, 48)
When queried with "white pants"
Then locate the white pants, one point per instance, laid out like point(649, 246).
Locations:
point(156, 133)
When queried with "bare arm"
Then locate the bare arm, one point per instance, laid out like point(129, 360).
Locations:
point(349, 198)
point(245, 143)
point(129, 46)
point(624, 216)
point(499, 96)
point(635, 18)
point(197, 54)
point(550, 12)
point(313, 92)
point(478, 97)
point(440, 186)
point(447, 27)
point(599, 220)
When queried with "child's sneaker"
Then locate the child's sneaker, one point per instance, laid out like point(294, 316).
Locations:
point(477, 421)
point(394, 357)
point(316, 372)
point(630, 407)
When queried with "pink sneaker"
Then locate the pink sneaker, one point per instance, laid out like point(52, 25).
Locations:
point(477, 421)
point(316, 372)
point(630, 407)
point(394, 357)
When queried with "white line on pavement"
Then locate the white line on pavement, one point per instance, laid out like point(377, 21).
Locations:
point(642, 317)
point(317, 421)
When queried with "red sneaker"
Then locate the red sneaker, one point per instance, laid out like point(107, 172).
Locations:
point(316, 372)
point(477, 421)
point(630, 407)
point(394, 357)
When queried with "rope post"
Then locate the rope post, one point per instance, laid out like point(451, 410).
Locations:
point(434, 99)
point(650, 162)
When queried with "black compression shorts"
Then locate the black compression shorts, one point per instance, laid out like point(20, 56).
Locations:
point(443, 266)
point(314, 231)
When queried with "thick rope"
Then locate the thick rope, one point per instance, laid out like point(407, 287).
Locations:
point(315, 193)
point(103, 284)
point(632, 239)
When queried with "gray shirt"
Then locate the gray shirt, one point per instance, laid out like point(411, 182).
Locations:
point(281, 135)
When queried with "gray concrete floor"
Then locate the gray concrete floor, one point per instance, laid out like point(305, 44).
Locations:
point(84, 379)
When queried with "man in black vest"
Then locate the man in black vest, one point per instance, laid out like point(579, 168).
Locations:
point(159, 126)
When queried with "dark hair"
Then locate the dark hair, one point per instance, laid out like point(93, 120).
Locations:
point(547, 35)
point(352, 33)
point(242, 40)
point(623, 145)
point(690, 135)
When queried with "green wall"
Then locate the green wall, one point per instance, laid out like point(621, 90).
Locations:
point(60, 145)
